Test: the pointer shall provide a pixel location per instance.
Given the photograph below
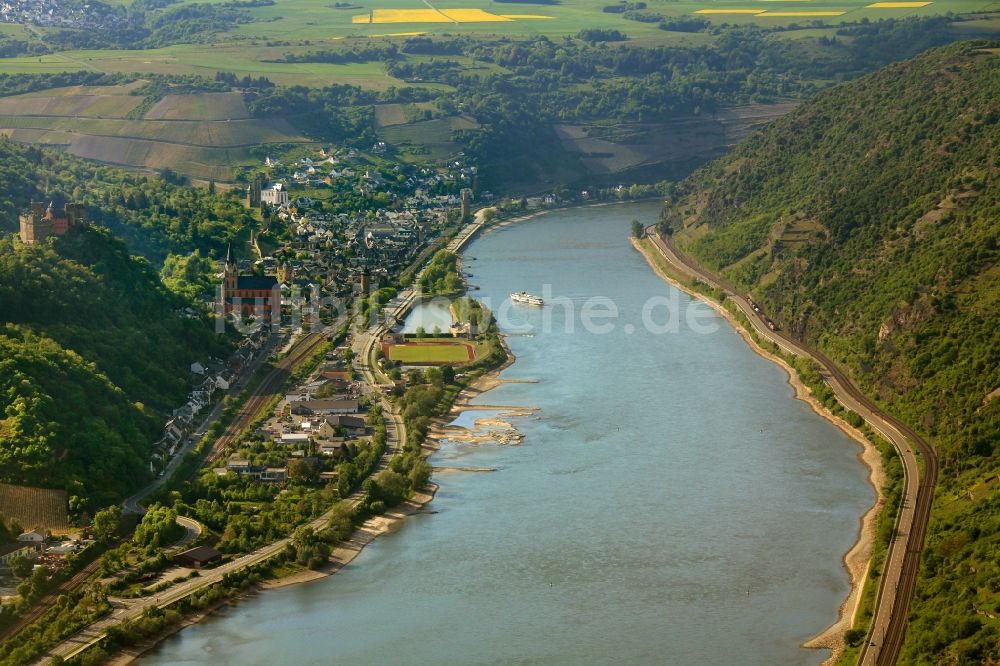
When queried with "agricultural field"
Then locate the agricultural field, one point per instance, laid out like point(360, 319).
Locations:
point(387, 115)
point(76, 101)
point(201, 135)
point(34, 507)
point(427, 139)
point(454, 16)
point(204, 106)
point(431, 352)
point(308, 19)
point(605, 149)
point(242, 58)
point(297, 26)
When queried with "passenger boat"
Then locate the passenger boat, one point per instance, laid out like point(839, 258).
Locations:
point(526, 298)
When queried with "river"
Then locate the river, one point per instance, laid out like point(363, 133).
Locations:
point(671, 502)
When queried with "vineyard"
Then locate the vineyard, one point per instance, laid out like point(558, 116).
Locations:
point(34, 507)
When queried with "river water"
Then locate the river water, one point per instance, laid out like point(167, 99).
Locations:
point(671, 502)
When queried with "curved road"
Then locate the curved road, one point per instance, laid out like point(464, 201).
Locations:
point(899, 575)
point(395, 440)
point(129, 609)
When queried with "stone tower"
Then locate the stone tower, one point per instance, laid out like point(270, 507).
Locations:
point(466, 204)
point(366, 282)
point(286, 274)
point(35, 228)
point(258, 183)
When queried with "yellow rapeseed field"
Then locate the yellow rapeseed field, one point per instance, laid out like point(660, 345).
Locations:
point(897, 5)
point(473, 16)
point(432, 16)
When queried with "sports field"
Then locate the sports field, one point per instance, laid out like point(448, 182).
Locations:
point(430, 352)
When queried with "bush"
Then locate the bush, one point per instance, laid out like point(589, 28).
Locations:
point(853, 637)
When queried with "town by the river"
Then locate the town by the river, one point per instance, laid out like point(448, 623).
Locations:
point(671, 501)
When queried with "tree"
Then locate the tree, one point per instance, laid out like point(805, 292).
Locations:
point(637, 229)
point(390, 487)
point(106, 523)
point(21, 566)
point(853, 637)
point(341, 523)
point(302, 470)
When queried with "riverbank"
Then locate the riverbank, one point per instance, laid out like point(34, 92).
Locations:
point(485, 382)
point(857, 560)
point(342, 555)
point(524, 217)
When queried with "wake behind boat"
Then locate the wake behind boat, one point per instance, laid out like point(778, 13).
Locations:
point(526, 298)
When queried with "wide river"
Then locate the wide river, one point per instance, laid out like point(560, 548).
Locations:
point(672, 503)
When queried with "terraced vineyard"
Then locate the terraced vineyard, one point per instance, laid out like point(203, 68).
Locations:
point(34, 507)
point(201, 135)
point(428, 138)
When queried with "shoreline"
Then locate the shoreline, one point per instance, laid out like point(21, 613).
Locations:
point(342, 555)
point(857, 560)
point(347, 551)
point(485, 382)
point(524, 217)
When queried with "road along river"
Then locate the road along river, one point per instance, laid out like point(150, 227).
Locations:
point(671, 501)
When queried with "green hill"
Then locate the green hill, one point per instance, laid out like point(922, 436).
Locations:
point(154, 215)
point(92, 355)
point(867, 223)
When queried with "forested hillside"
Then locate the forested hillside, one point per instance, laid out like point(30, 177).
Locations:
point(91, 356)
point(867, 223)
point(155, 215)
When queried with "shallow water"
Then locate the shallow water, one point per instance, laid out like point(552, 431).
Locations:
point(671, 503)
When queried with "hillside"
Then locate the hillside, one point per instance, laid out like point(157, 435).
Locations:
point(866, 222)
point(155, 216)
point(202, 135)
point(91, 356)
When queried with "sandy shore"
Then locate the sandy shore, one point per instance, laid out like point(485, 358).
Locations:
point(858, 559)
point(346, 551)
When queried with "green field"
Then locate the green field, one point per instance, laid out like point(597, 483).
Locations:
point(437, 352)
point(309, 19)
point(300, 26)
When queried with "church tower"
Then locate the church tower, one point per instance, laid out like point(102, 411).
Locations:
point(230, 275)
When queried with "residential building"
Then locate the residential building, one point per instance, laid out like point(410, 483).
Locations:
point(335, 424)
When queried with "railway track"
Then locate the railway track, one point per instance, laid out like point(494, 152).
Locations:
point(46, 603)
point(268, 388)
point(251, 409)
point(889, 620)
